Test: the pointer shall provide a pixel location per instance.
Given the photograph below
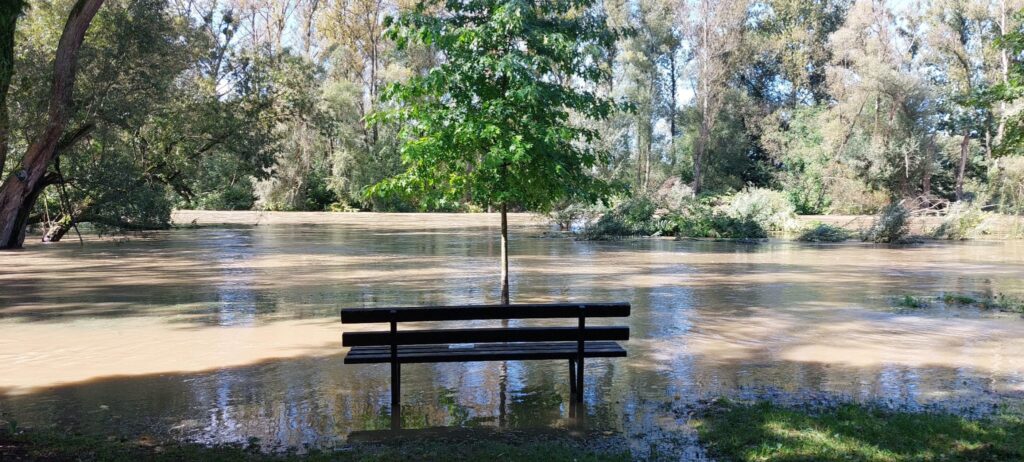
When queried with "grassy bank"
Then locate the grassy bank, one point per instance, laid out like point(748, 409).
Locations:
point(51, 446)
point(767, 432)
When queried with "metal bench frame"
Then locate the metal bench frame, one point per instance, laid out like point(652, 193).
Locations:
point(499, 344)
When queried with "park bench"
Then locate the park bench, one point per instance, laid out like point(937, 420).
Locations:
point(484, 343)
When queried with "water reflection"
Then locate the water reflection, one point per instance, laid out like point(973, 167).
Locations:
point(224, 334)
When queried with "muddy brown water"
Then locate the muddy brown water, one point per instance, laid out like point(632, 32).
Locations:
point(229, 332)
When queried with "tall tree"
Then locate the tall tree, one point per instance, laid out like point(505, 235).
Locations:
point(21, 189)
point(715, 30)
point(493, 119)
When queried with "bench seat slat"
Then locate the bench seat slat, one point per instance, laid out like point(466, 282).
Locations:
point(483, 352)
point(484, 312)
point(484, 335)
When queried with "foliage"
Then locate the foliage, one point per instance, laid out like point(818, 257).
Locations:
point(910, 301)
point(491, 123)
point(822, 232)
point(702, 219)
point(569, 216)
point(891, 226)
point(996, 302)
point(769, 209)
point(960, 222)
point(958, 299)
point(1007, 181)
point(632, 217)
point(764, 431)
point(795, 140)
point(693, 218)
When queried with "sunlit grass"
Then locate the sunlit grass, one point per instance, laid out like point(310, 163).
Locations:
point(767, 432)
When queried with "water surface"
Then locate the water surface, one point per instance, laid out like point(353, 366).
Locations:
point(226, 333)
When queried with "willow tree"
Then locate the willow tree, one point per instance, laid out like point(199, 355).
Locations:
point(496, 123)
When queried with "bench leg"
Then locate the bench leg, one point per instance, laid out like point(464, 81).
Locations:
point(579, 380)
point(396, 395)
point(572, 379)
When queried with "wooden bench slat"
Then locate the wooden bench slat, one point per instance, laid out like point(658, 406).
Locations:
point(486, 352)
point(484, 335)
point(484, 312)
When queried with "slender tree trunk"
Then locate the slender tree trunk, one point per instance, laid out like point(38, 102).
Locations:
point(703, 137)
point(504, 254)
point(672, 132)
point(20, 190)
point(1004, 62)
point(926, 181)
point(964, 150)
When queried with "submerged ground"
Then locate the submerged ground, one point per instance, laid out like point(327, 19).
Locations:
point(230, 331)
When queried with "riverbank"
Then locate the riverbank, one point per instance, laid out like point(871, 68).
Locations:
point(468, 445)
point(995, 227)
point(729, 431)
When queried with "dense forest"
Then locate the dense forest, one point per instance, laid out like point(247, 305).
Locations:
point(832, 106)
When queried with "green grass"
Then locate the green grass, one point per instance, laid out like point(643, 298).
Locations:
point(51, 446)
point(767, 432)
point(999, 302)
point(1003, 302)
point(910, 301)
point(958, 299)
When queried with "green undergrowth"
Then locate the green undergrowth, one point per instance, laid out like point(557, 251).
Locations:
point(52, 446)
point(822, 232)
point(769, 432)
point(997, 302)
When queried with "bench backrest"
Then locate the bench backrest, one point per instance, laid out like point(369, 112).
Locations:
point(393, 316)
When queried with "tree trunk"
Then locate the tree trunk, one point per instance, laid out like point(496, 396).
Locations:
point(926, 176)
point(1004, 62)
point(703, 137)
point(57, 230)
point(9, 13)
point(20, 190)
point(673, 132)
point(504, 254)
point(964, 150)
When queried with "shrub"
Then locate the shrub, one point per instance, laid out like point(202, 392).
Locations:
point(1003, 302)
point(958, 299)
point(821, 232)
point(632, 217)
point(960, 223)
point(891, 226)
point(1007, 180)
point(701, 219)
point(771, 210)
point(910, 301)
point(568, 215)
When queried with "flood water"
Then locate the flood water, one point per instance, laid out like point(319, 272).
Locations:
point(231, 332)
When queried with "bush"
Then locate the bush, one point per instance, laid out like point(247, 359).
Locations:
point(1007, 180)
point(910, 301)
point(890, 227)
point(701, 219)
point(632, 217)
point(961, 221)
point(566, 216)
point(769, 209)
point(821, 232)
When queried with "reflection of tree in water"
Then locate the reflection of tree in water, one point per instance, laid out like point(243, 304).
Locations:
point(238, 302)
